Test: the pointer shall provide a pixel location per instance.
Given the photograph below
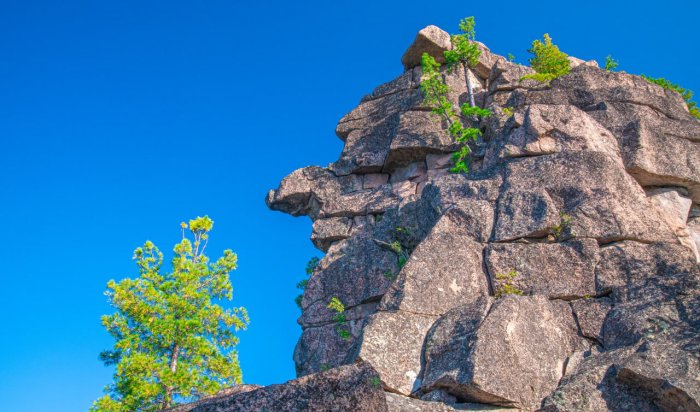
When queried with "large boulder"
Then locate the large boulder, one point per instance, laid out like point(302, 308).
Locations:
point(557, 270)
point(514, 356)
point(347, 388)
point(398, 403)
point(432, 40)
point(444, 271)
point(603, 202)
point(392, 342)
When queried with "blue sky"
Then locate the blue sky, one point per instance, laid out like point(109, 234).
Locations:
point(120, 119)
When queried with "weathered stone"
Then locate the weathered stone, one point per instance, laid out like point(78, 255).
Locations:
point(590, 315)
point(593, 388)
point(548, 129)
point(604, 163)
point(213, 399)
point(514, 357)
point(369, 129)
point(359, 203)
point(527, 213)
point(399, 403)
point(408, 80)
point(438, 161)
point(374, 180)
point(453, 189)
point(674, 207)
point(345, 388)
point(443, 272)
point(432, 40)
point(329, 230)
point(658, 137)
point(626, 267)
point(435, 173)
point(556, 270)
point(505, 77)
point(322, 346)
point(665, 374)
point(404, 188)
point(353, 271)
point(414, 172)
point(392, 343)
point(694, 230)
point(297, 192)
point(656, 157)
point(603, 202)
point(439, 395)
point(418, 134)
point(575, 62)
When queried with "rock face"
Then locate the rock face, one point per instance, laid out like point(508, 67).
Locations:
point(348, 388)
point(560, 273)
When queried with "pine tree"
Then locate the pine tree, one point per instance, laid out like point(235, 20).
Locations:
point(172, 341)
point(548, 61)
point(465, 52)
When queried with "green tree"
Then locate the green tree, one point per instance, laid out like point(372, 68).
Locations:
point(172, 342)
point(310, 268)
point(465, 52)
point(548, 61)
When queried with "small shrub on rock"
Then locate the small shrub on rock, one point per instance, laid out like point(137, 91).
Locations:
point(548, 61)
point(506, 287)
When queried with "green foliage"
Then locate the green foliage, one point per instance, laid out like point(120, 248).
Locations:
point(434, 88)
point(389, 275)
point(337, 306)
point(548, 61)
point(310, 268)
point(401, 253)
point(375, 381)
point(610, 63)
point(511, 57)
point(686, 94)
point(475, 111)
point(508, 111)
point(506, 287)
point(172, 340)
point(563, 227)
point(401, 229)
point(465, 50)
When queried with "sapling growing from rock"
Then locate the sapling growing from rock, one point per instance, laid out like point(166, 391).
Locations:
point(465, 54)
point(563, 227)
point(338, 307)
point(506, 286)
point(610, 63)
point(548, 61)
point(310, 267)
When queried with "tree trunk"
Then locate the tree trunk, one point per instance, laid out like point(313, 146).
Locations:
point(173, 367)
point(470, 92)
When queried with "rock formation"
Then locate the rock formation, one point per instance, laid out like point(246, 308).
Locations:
point(584, 195)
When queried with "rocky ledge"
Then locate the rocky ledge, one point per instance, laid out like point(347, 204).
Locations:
point(583, 199)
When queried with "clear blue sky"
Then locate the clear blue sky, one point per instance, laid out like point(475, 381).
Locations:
point(119, 119)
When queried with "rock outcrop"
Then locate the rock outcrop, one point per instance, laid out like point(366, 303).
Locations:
point(560, 274)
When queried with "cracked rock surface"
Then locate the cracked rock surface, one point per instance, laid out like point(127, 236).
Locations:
point(559, 274)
